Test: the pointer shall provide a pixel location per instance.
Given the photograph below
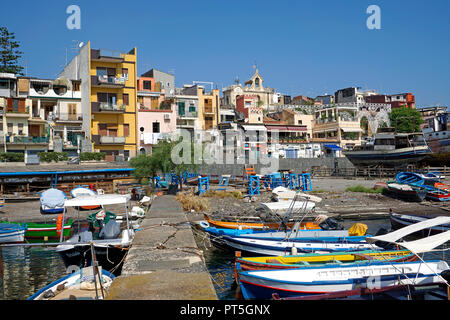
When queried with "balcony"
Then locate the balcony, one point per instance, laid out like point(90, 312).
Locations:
point(27, 140)
point(108, 81)
point(21, 112)
point(105, 107)
point(110, 56)
point(67, 117)
point(98, 139)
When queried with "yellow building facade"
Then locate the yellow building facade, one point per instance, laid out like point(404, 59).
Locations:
point(113, 102)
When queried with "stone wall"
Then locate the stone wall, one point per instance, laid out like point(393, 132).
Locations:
point(297, 165)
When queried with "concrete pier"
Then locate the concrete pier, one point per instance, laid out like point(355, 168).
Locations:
point(164, 262)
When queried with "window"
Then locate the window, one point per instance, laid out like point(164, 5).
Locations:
point(181, 108)
point(20, 130)
point(156, 128)
point(109, 98)
point(191, 108)
point(257, 82)
point(125, 73)
point(10, 128)
point(300, 122)
point(126, 130)
point(126, 99)
point(4, 84)
point(72, 108)
point(147, 85)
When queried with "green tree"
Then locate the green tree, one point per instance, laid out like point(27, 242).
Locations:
point(160, 161)
point(9, 55)
point(406, 119)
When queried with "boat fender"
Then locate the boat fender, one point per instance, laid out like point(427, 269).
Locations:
point(59, 224)
point(294, 251)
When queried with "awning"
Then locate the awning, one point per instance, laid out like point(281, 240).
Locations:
point(254, 128)
point(352, 129)
point(332, 147)
point(277, 128)
point(299, 128)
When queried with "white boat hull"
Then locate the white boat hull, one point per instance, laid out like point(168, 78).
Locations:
point(307, 281)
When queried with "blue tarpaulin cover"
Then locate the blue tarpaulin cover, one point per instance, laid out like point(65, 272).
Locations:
point(332, 147)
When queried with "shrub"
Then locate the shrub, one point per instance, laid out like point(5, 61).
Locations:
point(190, 202)
point(12, 157)
point(88, 156)
point(53, 156)
point(360, 188)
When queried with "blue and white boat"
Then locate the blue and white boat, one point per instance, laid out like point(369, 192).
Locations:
point(81, 285)
point(261, 284)
point(257, 244)
point(52, 201)
point(12, 233)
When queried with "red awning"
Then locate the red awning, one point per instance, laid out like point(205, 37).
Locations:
point(277, 128)
point(302, 128)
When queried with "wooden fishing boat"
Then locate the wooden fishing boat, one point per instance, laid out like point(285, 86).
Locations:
point(81, 285)
point(399, 221)
point(261, 284)
point(259, 225)
point(316, 259)
point(417, 180)
point(111, 243)
point(45, 230)
point(12, 233)
point(406, 192)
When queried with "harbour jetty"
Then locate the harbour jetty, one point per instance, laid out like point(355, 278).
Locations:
point(164, 262)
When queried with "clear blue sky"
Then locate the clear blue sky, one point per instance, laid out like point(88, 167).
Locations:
point(300, 47)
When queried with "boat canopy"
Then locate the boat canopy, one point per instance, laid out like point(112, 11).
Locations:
point(102, 199)
point(81, 191)
point(420, 245)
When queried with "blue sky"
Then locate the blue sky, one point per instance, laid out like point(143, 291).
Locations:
point(300, 47)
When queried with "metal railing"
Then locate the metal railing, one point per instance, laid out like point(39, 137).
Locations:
point(26, 139)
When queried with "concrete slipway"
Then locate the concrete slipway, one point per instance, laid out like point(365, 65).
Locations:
point(164, 262)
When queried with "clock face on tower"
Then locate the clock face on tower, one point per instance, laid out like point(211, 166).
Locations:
point(238, 90)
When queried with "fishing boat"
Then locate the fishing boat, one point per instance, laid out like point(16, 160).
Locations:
point(399, 221)
point(262, 284)
point(12, 233)
point(256, 244)
point(281, 193)
point(321, 260)
point(253, 223)
point(85, 284)
point(406, 192)
point(111, 243)
point(52, 201)
point(82, 191)
point(2, 203)
point(390, 149)
point(36, 230)
point(416, 180)
point(294, 208)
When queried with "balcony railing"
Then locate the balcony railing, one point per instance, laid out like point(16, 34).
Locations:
point(112, 140)
point(27, 140)
point(107, 107)
point(108, 81)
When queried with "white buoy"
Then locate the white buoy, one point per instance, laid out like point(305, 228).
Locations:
point(294, 251)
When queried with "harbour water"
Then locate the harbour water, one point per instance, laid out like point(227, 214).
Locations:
point(24, 270)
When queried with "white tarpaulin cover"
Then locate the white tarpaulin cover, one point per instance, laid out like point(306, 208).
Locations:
point(421, 245)
point(282, 207)
point(102, 199)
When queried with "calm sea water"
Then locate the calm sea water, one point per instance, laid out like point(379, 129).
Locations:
point(23, 271)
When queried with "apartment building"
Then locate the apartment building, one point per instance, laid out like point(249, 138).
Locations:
point(337, 127)
point(157, 118)
point(108, 99)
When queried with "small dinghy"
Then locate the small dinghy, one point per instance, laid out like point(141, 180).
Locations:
point(85, 284)
point(52, 201)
